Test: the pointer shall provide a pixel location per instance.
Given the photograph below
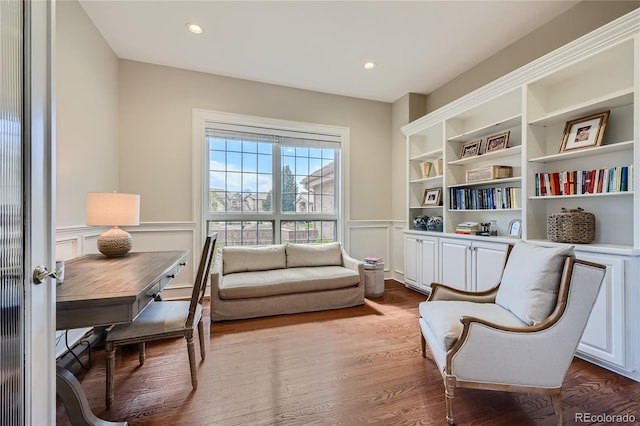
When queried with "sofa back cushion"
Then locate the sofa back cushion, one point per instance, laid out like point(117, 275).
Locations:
point(301, 255)
point(249, 258)
point(531, 280)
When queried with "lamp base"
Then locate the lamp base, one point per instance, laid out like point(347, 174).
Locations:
point(115, 242)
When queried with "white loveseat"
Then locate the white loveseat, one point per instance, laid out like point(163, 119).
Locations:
point(249, 282)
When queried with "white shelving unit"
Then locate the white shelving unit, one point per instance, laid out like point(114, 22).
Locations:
point(596, 73)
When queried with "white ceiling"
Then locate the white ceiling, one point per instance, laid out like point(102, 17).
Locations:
point(322, 45)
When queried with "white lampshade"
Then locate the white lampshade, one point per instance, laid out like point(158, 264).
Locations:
point(113, 209)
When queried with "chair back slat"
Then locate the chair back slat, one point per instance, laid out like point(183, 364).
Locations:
point(200, 284)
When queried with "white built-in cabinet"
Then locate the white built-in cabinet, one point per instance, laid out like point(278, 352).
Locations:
point(471, 265)
point(421, 261)
point(596, 73)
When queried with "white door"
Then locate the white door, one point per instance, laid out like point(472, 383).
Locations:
point(26, 206)
point(428, 262)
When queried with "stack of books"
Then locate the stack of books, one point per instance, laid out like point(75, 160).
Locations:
point(374, 261)
point(468, 228)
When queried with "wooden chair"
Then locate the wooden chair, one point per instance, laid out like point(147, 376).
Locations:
point(164, 320)
point(519, 336)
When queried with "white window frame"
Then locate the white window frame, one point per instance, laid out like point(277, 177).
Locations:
point(203, 118)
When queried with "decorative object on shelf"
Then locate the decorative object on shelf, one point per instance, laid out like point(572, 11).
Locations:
point(425, 168)
point(435, 223)
point(420, 222)
point(470, 149)
point(437, 164)
point(571, 226)
point(484, 229)
point(489, 173)
point(113, 209)
point(584, 132)
point(493, 228)
point(497, 142)
point(515, 228)
point(432, 197)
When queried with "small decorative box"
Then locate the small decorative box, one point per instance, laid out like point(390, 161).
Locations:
point(489, 173)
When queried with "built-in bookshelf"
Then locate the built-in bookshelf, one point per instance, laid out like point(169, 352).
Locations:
point(542, 107)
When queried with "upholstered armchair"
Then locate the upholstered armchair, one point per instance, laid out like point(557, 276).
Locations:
point(521, 335)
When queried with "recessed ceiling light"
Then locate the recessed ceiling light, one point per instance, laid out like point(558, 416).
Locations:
point(369, 65)
point(194, 28)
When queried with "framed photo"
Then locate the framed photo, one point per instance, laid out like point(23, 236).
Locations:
point(497, 142)
point(432, 197)
point(584, 132)
point(515, 229)
point(470, 149)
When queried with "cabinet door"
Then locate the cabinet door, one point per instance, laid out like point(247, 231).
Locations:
point(488, 261)
point(429, 262)
point(604, 336)
point(455, 263)
point(411, 248)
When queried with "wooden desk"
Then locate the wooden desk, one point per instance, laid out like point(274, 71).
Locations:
point(102, 291)
point(98, 290)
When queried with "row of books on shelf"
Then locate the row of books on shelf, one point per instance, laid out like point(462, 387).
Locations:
point(468, 228)
point(486, 198)
point(596, 181)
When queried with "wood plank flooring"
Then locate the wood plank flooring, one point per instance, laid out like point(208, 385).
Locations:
point(354, 366)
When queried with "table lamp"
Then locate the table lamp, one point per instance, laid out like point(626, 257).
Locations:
point(113, 209)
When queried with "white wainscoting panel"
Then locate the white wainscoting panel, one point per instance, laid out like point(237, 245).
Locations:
point(369, 238)
point(397, 244)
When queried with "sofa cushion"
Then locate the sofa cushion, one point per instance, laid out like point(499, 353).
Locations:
point(531, 280)
point(249, 258)
point(443, 318)
point(245, 285)
point(327, 254)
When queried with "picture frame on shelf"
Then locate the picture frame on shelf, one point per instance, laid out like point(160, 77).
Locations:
point(432, 197)
point(470, 149)
point(497, 142)
point(515, 228)
point(584, 132)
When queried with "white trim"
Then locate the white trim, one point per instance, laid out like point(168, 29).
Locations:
point(200, 117)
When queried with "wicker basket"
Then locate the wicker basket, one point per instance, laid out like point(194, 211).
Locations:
point(571, 226)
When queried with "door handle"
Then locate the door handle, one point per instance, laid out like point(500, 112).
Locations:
point(41, 273)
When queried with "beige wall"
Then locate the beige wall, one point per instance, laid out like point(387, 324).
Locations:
point(581, 19)
point(156, 105)
point(403, 111)
point(86, 89)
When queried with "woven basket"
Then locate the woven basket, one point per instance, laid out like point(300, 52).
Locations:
point(571, 226)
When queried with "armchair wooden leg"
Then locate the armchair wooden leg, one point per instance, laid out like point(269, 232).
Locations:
point(110, 352)
point(423, 343)
point(556, 399)
point(203, 350)
point(449, 393)
point(141, 353)
point(192, 362)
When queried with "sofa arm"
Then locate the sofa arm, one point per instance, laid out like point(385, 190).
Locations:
point(216, 275)
point(351, 263)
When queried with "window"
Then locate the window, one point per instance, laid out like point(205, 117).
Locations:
point(270, 185)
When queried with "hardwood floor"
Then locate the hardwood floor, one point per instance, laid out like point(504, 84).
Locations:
point(354, 366)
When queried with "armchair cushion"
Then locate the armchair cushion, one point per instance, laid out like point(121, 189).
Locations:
point(443, 318)
point(531, 279)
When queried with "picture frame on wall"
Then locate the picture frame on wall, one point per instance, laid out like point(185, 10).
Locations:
point(497, 142)
point(470, 149)
point(432, 197)
point(585, 132)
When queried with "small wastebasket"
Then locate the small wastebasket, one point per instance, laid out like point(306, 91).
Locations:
point(374, 280)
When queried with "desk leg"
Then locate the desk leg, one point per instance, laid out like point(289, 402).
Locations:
point(75, 401)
